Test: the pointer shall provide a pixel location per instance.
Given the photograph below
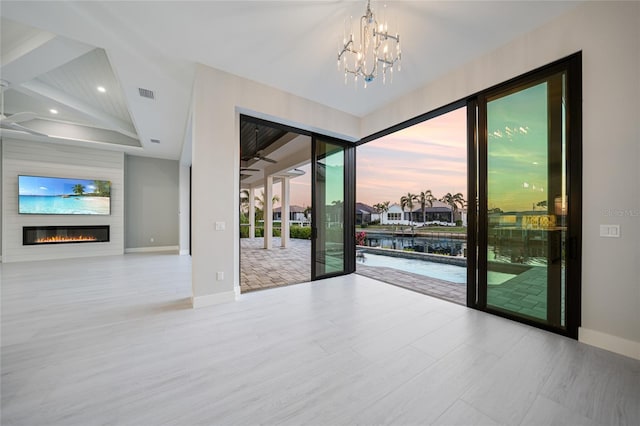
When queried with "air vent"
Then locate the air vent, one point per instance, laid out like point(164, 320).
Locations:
point(155, 140)
point(146, 93)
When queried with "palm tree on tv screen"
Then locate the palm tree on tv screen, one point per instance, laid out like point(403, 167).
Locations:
point(103, 188)
point(78, 189)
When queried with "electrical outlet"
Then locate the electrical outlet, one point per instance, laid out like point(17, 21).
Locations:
point(220, 226)
point(219, 276)
point(151, 239)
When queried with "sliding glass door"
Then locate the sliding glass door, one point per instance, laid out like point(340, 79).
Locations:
point(333, 246)
point(529, 192)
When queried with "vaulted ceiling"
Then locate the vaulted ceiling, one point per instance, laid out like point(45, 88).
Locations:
point(56, 54)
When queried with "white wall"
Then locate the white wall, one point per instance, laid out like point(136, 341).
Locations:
point(1, 210)
point(185, 209)
point(218, 98)
point(608, 34)
point(151, 204)
point(21, 157)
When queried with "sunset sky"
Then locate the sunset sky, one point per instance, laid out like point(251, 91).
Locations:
point(430, 155)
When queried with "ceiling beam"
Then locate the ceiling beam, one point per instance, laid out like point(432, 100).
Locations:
point(38, 89)
point(293, 160)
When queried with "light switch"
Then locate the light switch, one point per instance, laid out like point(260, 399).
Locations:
point(219, 276)
point(220, 226)
point(610, 231)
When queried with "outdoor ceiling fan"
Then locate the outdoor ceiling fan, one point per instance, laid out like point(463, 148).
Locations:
point(259, 154)
point(13, 121)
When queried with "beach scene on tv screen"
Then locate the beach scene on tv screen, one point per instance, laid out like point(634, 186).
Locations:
point(48, 195)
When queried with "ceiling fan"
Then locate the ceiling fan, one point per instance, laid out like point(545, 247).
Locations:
point(259, 154)
point(13, 121)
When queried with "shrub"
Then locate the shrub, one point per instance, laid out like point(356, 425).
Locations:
point(300, 232)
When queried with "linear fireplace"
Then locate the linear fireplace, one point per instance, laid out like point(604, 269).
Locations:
point(33, 235)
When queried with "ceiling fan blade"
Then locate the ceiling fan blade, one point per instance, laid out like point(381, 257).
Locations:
point(268, 160)
point(19, 117)
point(246, 169)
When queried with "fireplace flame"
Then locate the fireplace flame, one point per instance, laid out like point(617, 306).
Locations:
point(65, 239)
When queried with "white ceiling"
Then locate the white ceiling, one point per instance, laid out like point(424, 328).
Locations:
point(291, 45)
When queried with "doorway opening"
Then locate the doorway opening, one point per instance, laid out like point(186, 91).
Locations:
point(411, 214)
point(275, 205)
point(296, 205)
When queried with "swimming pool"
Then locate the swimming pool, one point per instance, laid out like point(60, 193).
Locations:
point(442, 271)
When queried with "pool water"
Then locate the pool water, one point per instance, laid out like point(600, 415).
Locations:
point(442, 271)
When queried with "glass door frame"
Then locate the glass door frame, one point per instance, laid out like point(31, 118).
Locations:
point(348, 210)
point(478, 179)
point(349, 206)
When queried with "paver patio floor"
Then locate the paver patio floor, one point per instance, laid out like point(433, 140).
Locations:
point(278, 267)
point(447, 290)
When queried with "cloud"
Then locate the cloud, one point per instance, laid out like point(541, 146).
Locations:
point(44, 188)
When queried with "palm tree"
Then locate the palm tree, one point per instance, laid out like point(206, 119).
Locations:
point(103, 188)
point(454, 201)
point(78, 189)
point(260, 200)
point(425, 197)
point(381, 208)
point(407, 201)
point(244, 200)
point(260, 205)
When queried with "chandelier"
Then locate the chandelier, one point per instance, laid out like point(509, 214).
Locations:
point(375, 49)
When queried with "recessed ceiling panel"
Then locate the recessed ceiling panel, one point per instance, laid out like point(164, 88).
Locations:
point(81, 78)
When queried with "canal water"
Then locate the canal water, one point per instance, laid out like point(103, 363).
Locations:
point(439, 245)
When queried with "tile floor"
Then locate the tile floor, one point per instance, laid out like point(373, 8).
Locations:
point(113, 341)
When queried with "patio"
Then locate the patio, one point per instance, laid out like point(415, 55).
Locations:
point(261, 269)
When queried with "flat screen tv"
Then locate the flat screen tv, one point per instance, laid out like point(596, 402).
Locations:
point(50, 195)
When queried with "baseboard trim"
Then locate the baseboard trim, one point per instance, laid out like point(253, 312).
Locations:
point(214, 299)
point(184, 252)
point(609, 342)
point(151, 249)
